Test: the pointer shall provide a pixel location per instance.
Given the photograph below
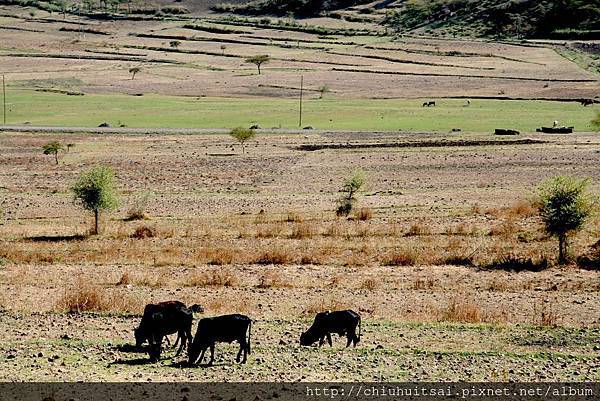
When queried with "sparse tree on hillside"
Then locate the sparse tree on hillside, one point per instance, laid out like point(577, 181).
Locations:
point(242, 135)
point(223, 48)
point(323, 90)
point(596, 122)
point(95, 191)
point(564, 206)
point(174, 44)
point(349, 191)
point(52, 148)
point(258, 61)
point(133, 71)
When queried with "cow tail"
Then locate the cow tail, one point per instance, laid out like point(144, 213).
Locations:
point(249, 335)
point(359, 327)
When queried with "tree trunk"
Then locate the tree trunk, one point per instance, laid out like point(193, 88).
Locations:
point(96, 224)
point(258, 66)
point(243, 148)
point(56, 157)
point(563, 247)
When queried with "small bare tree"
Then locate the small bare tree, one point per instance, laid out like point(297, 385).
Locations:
point(348, 192)
point(223, 48)
point(258, 61)
point(133, 71)
point(174, 44)
point(323, 90)
point(52, 148)
point(242, 135)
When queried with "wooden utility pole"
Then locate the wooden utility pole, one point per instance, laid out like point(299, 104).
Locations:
point(4, 99)
point(300, 111)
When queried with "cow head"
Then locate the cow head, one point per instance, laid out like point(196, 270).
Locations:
point(140, 336)
point(307, 338)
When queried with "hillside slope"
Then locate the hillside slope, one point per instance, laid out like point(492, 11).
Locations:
point(512, 18)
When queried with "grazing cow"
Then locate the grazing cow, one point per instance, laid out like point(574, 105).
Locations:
point(340, 322)
point(162, 319)
point(586, 102)
point(429, 104)
point(226, 328)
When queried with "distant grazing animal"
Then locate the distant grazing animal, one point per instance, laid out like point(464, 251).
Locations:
point(226, 328)
point(429, 104)
point(586, 102)
point(162, 319)
point(555, 124)
point(468, 102)
point(340, 322)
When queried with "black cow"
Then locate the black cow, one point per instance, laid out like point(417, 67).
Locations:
point(162, 319)
point(429, 104)
point(340, 322)
point(227, 328)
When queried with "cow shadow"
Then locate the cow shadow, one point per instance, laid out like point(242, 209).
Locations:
point(55, 238)
point(130, 348)
point(133, 362)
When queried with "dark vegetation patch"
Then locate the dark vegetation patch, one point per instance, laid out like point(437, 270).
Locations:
point(86, 57)
point(420, 144)
point(517, 264)
point(223, 40)
point(14, 28)
point(298, 8)
point(526, 18)
point(84, 30)
point(450, 53)
point(221, 54)
point(281, 25)
point(462, 75)
point(212, 29)
point(558, 337)
point(407, 61)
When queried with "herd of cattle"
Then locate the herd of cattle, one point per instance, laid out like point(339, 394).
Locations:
point(170, 317)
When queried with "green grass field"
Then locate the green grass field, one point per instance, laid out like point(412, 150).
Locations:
point(157, 111)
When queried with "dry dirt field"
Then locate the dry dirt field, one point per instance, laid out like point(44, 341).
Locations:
point(46, 51)
point(257, 234)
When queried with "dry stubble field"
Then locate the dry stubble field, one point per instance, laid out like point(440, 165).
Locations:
point(422, 270)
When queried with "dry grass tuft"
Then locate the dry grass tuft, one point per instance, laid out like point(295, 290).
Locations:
point(463, 310)
point(142, 232)
point(302, 231)
point(274, 257)
point(213, 278)
point(323, 305)
point(417, 229)
point(544, 314)
point(522, 209)
point(125, 279)
point(369, 284)
point(402, 257)
point(294, 217)
point(272, 279)
point(363, 214)
point(218, 256)
point(270, 230)
point(84, 296)
point(423, 284)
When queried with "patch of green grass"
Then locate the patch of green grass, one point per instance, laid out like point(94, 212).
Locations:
point(158, 111)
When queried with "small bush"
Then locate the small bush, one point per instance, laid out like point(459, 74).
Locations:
point(138, 209)
point(213, 278)
point(83, 297)
point(144, 232)
point(273, 257)
point(363, 214)
point(417, 229)
point(402, 257)
point(221, 256)
point(518, 264)
point(301, 231)
point(462, 310)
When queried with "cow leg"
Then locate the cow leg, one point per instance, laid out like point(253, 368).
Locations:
point(321, 341)
point(201, 356)
point(350, 337)
point(182, 343)
point(212, 354)
point(329, 339)
point(168, 342)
